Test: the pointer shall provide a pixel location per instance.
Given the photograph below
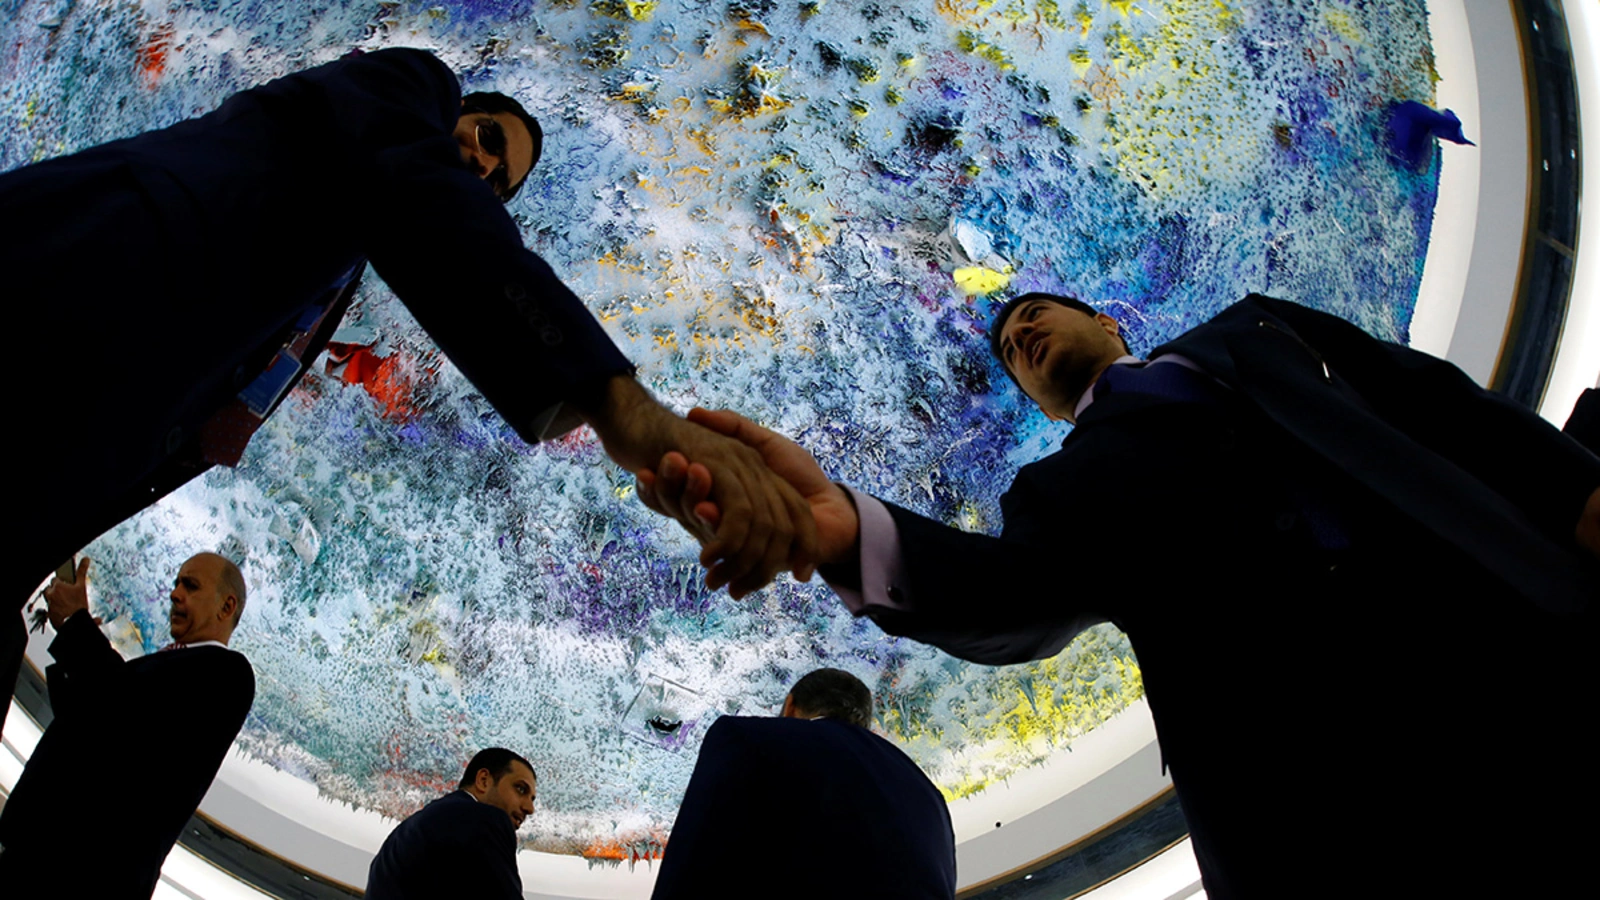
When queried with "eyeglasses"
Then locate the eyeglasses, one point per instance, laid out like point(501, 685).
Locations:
point(492, 140)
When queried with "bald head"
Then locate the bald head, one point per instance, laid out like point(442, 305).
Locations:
point(232, 582)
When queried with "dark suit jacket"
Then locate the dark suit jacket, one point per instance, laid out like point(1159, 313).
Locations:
point(807, 809)
point(1315, 706)
point(157, 275)
point(132, 749)
point(453, 847)
point(1584, 423)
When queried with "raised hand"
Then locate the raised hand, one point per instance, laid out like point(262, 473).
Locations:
point(66, 598)
point(685, 489)
point(764, 526)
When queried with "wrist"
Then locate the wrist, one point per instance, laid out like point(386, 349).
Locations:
point(58, 622)
point(612, 402)
point(839, 561)
point(632, 427)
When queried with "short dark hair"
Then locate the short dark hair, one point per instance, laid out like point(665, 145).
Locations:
point(498, 761)
point(836, 694)
point(998, 326)
point(492, 102)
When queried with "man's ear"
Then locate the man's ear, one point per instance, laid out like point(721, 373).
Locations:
point(229, 604)
point(1111, 326)
point(788, 707)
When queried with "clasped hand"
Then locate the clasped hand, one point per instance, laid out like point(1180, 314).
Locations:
point(762, 526)
point(683, 487)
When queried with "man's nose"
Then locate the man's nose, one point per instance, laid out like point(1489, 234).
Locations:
point(484, 162)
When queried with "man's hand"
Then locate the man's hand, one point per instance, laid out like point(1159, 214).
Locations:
point(66, 599)
point(764, 525)
point(1588, 531)
point(686, 490)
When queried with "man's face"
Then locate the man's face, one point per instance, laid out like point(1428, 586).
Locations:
point(202, 606)
point(496, 146)
point(514, 792)
point(1056, 352)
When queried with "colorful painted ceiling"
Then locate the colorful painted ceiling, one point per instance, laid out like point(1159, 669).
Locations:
point(801, 209)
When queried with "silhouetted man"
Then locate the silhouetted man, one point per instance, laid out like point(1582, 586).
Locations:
point(463, 844)
point(174, 285)
point(852, 814)
point(134, 743)
point(1360, 588)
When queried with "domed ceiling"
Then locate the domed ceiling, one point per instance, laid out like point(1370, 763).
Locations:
point(802, 210)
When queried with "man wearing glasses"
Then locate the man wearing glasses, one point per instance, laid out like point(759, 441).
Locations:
point(170, 288)
point(495, 135)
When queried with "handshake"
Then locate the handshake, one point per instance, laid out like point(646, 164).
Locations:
point(757, 503)
point(684, 490)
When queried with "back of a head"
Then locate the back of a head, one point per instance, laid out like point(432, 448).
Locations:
point(498, 760)
point(834, 694)
point(233, 582)
point(494, 102)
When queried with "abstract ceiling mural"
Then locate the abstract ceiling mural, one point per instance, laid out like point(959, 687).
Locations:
point(802, 209)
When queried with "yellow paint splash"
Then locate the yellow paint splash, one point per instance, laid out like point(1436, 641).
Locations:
point(978, 280)
point(975, 43)
point(1191, 124)
point(637, 10)
point(1344, 26)
point(1028, 713)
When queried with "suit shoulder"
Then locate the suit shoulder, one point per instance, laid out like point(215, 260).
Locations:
point(1262, 300)
point(395, 74)
point(1286, 310)
point(219, 666)
point(736, 729)
point(223, 659)
point(412, 57)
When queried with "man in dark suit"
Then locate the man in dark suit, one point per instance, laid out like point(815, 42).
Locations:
point(172, 285)
point(1360, 588)
point(463, 844)
point(811, 804)
point(133, 746)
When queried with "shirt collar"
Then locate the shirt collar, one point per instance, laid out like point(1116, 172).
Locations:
point(1088, 396)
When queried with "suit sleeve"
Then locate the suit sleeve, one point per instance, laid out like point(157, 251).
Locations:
point(86, 666)
point(446, 245)
point(709, 819)
point(1508, 447)
point(989, 600)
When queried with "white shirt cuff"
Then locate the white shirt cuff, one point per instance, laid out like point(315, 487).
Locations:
point(881, 565)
